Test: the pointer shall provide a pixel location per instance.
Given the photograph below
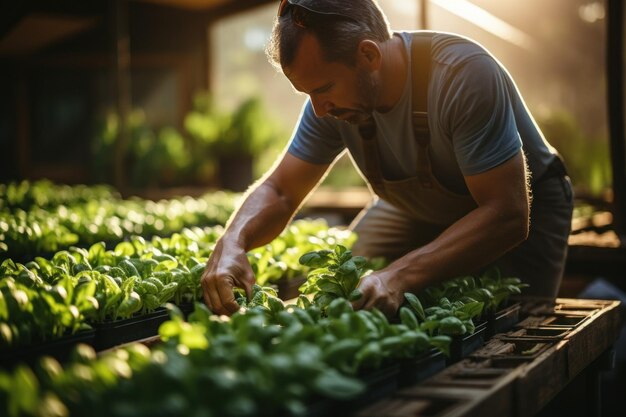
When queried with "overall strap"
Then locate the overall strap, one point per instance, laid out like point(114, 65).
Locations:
point(420, 76)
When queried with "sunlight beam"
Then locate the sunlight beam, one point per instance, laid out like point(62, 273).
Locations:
point(486, 21)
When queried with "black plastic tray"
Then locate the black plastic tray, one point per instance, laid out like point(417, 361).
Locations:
point(502, 320)
point(462, 346)
point(379, 384)
point(413, 371)
point(59, 349)
point(123, 331)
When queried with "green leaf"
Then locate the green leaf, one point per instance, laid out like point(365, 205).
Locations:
point(334, 385)
point(355, 295)
point(442, 343)
point(473, 309)
point(429, 326)
point(130, 305)
point(124, 249)
point(4, 308)
point(303, 301)
point(96, 253)
point(171, 329)
point(416, 305)
point(359, 261)
point(330, 287)
point(408, 318)
point(369, 356)
point(348, 267)
point(275, 304)
point(25, 393)
point(311, 259)
point(166, 265)
point(339, 250)
point(452, 326)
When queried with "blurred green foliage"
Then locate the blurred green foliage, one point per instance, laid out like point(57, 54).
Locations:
point(168, 156)
point(587, 158)
point(247, 130)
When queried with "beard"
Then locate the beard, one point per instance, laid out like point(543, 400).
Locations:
point(368, 93)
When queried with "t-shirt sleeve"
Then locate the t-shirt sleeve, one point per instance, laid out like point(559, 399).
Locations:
point(479, 116)
point(315, 140)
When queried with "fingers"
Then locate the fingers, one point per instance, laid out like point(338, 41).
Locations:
point(209, 293)
point(218, 294)
point(206, 291)
point(375, 294)
point(247, 284)
point(219, 279)
point(224, 291)
point(366, 294)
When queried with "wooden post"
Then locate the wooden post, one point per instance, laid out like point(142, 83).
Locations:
point(23, 127)
point(121, 59)
point(423, 23)
point(615, 88)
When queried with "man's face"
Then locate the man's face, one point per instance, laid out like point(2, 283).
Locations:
point(335, 89)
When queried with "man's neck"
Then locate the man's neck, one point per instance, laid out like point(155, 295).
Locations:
point(393, 73)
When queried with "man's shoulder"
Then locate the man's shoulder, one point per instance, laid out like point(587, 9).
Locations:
point(449, 48)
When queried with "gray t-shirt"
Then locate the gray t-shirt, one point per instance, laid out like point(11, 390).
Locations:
point(477, 117)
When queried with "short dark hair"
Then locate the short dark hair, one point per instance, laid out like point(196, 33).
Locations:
point(338, 35)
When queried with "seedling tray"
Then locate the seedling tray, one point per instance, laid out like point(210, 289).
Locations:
point(379, 384)
point(542, 333)
point(413, 371)
point(59, 349)
point(565, 321)
point(128, 330)
point(519, 351)
point(462, 346)
point(502, 320)
point(470, 373)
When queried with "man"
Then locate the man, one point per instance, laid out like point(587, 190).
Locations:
point(454, 187)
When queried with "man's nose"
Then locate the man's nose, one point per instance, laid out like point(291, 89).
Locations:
point(321, 107)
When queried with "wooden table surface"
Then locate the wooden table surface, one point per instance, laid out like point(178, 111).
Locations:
point(520, 372)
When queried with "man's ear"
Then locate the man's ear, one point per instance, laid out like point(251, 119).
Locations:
point(369, 55)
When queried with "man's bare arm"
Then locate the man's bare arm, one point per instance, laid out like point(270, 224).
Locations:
point(263, 215)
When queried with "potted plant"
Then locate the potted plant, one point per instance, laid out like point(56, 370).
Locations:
point(232, 140)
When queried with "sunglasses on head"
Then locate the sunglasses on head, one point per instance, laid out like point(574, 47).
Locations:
point(301, 14)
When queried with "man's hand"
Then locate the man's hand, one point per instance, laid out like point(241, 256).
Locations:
point(226, 269)
point(380, 290)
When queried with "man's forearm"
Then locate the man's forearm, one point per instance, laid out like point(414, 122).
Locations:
point(474, 241)
point(262, 216)
point(498, 224)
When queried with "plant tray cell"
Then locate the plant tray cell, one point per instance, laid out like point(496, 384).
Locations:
point(129, 330)
point(413, 371)
point(472, 378)
point(545, 333)
point(518, 351)
point(561, 320)
point(462, 347)
point(59, 349)
point(503, 320)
